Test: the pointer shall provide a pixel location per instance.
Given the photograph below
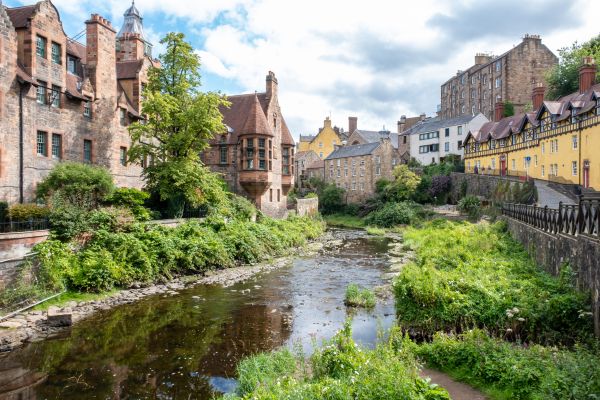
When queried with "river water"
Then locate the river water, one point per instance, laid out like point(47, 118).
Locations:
point(187, 346)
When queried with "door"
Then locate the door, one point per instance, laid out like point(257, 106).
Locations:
point(503, 166)
point(586, 174)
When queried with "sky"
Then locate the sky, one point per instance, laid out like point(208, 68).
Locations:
point(373, 59)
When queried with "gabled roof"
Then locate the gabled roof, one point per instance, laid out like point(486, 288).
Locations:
point(353, 151)
point(129, 69)
point(245, 116)
point(434, 124)
point(376, 136)
point(20, 16)
point(77, 49)
point(307, 138)
point(304, 154)
point(286, 136)
point(317, 164)
point(74, 87)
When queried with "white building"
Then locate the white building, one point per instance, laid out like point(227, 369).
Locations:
point(431, 140)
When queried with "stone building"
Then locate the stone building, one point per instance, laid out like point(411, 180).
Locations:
point(506, 78)
point(62, 100)
point(324, 142)
point(433, 139)
point(256, 156)
point(356, 168)
point(304, 159)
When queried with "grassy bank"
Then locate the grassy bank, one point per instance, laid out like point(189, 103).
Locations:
point(339, 370)
point(119, 255)
point(344, 221)
point(475, 276)
point(357, 297)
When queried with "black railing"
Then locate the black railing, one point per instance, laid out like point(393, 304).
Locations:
point(581, 219)
point(24, 226)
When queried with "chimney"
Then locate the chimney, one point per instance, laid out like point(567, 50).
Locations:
point(327, 123)
point(499, 111)
point(402, 124)
point(101, 57)
point(352, 125)
point(423, 116)
point(587, 74)
point(271, 85)
point(538, 96)
point(482, 58)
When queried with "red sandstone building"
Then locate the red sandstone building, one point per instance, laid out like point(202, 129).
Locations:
point(65, 100)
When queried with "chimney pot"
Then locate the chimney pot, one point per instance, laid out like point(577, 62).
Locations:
point(538, 96)
point(423, 116)
point(352, 124)
point(587, 74)
point(499, 111)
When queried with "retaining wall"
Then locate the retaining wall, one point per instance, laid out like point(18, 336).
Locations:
point(306, 207)
point(551, 252)
point(18, 244)
point(477, 185)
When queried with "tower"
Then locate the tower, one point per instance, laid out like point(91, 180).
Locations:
point(131, 43)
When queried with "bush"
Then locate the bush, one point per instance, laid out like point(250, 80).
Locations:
point(26, 212)
point(80, 185)
point(440, 186)
point(533, 372)
point(471, 206)
point(404, 185)
point(393, 214)
point(332, 199)
point(241, 208)
point(3, 211)
point(312, 195)
point(132, 199)
point(357, 297)
point(476, 276)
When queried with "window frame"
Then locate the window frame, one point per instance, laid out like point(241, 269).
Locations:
point(56, 155)
point(88, 146)
point(123, 156)
point(41, 45)
point(56, 57)
point(41, 93)
point(42, 145)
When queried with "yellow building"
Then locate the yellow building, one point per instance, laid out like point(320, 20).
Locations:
point(559, 142)
point(323, 143)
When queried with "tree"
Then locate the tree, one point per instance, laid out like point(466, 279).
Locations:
point(179, 122)
point(332, 199)
point(563, 78)
point(509, 109)
point(404, 184)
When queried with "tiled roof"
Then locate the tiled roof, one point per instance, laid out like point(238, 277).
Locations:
point(129, 69)
point(317, 164)
point(20, 15)
point(74, 86)
point(286, 136)
point(353, 151)
point(76, 49)
point(301, 155)
point(24, 76)
point(245, 115)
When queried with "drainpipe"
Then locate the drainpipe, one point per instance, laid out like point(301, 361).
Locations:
point(21, 144)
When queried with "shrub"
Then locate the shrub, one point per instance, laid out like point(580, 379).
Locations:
point(392, 214)
point(404, 185)
point(3, 211)
point(440, 186)
point(357, 297)
point(132, 199)
point(312, 195)
point(26, 212)
point(95, 271)
point(331, 199)
point(470, 205)
point(80, 185)
point(241, 208)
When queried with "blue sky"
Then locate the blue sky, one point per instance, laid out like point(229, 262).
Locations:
point(376, 59)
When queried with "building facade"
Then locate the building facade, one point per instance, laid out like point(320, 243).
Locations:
point(433, 139)
point(256, 156)
point(557, 142)
point(303, 160)
point(324, 142)
point(62, 100)
point(357, 168)
point(506, 78)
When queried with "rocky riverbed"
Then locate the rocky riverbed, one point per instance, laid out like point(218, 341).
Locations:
point(32, 326)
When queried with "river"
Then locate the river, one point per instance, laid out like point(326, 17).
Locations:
point(187, 346)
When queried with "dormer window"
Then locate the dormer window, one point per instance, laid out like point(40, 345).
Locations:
point(72, 65)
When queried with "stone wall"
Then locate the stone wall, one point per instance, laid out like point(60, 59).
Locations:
point(551, 252)
point(18, 244)
point(307, 207)
point(477, 185)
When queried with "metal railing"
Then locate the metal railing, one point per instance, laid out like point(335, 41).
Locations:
point(25, 226)
point(581, 219)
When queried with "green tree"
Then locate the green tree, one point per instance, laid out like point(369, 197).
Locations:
point(563, 78)
point(331, 199)
point(179, 122)
point(509, 109)
point(404, 184)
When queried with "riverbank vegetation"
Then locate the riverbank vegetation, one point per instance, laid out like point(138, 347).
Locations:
point(359, 297)
point(339, 370)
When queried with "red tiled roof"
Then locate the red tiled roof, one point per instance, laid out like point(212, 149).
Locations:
point(286, 136)
point(129, 69)
point(24, 76)
point(20, 16)
point(74, 87)
point(77, 49)
point(245, 116)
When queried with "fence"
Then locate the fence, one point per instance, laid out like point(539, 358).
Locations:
point(573, 220)
point(24, 226)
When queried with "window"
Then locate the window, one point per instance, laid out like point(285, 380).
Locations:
point(55, 96)
point(346, 171)
point(321, 154)
point(543, 148)
point(56, 146)
point(460, 129)
point(493, 163)
point(262, 157)
point(574, 168)
point(123, 156)
point(87, 109)
point(331, 173)
point(447, 146)
point(353, 185)
point(123, 116)
point(429, 135)
point(514, 164)
point(574, 141)
point(535, 160)
point(339, 162)
point(460, 144)
point(56, 53)
point(72, 65)
point(41, 93)
point(404, 139)
point(362, 186)
point(498, 82)
point(378, 169)
point(498, 65)
point(40, 46)
point(320, 145)
point(362, 162)
point(447, 132)
point(42, 144)
point(339, 172)
point(353, 171)
point(223, 154)
point(249, 153)
point(87, 151)
point(362, 172)
point(543, 170)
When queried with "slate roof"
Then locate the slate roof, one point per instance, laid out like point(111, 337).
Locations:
point(353, 151)
point(129, 69)
point(376, 136)
point(20, 16)
point(434, 124)
point(317, 164)
point(307, 138)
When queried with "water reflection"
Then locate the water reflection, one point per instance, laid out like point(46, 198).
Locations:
point(187, 346)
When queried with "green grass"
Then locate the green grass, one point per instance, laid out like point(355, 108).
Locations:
point(371, 230)
point(339, 370)
point(357, 297)
point(70, 296)
point(344, 221)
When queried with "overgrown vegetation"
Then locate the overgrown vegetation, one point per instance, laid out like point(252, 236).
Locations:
point(357, 297)
point(471, 206)
point(469, 276)
point(340, 370)
point(512, 371)
point(393, 214)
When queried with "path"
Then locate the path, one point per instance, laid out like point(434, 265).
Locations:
point(548, 196)
point(457, 390)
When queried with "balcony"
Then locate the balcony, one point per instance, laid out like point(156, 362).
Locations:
point(287, 181)
point(255, 182)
